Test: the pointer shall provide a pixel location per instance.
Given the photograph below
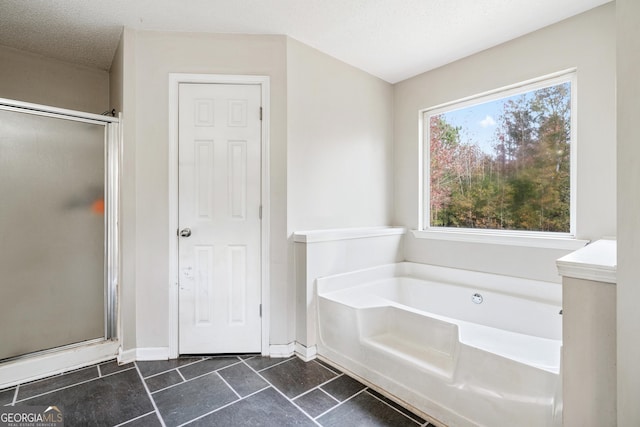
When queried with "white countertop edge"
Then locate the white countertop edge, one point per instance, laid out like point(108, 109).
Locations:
point(314, 236)
point(597, 262)
point(593, 273)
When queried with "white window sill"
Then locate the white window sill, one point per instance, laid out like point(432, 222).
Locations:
point(532, 240)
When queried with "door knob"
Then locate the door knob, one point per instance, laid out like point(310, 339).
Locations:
point(185, 232)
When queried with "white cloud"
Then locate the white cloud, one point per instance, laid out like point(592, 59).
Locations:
point(488, 121)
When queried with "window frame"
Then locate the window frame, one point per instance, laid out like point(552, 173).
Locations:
point(563, 240)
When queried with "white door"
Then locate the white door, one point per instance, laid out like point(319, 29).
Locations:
point(219, 218)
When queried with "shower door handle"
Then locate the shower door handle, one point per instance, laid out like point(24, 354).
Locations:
point(185, 232)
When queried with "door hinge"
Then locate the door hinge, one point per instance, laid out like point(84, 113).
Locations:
point(260, 310)
point(260, 212)
point(260, 113)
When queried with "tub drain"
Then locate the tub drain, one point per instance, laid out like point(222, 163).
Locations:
point(476, 298)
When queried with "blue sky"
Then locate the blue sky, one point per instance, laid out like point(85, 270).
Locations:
point(479, 122)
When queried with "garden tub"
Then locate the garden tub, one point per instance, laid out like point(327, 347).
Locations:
point(466, 348)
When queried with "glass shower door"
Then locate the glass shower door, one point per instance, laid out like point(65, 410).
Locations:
point(53, 232)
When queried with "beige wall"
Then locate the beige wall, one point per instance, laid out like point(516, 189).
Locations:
point(156, 55)
point(116, 77)
point(339, 132)
point(34, 78)
point(586, 41)
point(628, 274)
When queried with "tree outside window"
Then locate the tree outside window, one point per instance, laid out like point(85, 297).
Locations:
point(502, 164)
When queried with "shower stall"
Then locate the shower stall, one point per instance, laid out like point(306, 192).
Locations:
point(58, 229)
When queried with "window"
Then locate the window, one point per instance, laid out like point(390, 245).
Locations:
point(502, 161)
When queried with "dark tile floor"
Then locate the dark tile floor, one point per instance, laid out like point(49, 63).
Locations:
point(212, 391)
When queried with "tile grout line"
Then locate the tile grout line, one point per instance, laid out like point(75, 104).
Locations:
point(16, 400)
point(61, 374)
point(257, 391)
point(285, 396)
point(199, 417)
point(184, 380)
point(240, 398)
point(341, 403)
point(274, 365)
point(224, 406)
point(228, 385)
point(117, 372)
point(134, 419)
point(57, 389)
point(190, 379)
point(329, 394)
point(170, 369)
point(165, 388)
point(177, 368)
point(15, 395)
point(153, 402)
point(332, 370)
point(210, 372)
point(365, 389)
point(181, 376)
point(393, 407)
point(230, 403)
point(318, 388)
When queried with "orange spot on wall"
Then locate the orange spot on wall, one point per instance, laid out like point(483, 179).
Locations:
point(97, 207)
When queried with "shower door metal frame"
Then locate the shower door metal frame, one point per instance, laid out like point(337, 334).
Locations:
point(113, 152)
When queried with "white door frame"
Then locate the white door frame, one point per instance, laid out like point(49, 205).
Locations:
point(174, 81)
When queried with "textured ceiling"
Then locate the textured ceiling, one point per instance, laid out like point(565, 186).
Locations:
point(392, 39)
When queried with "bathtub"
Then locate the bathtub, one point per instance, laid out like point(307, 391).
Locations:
point(465, 348)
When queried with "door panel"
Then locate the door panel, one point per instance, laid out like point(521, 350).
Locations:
point(219, 201)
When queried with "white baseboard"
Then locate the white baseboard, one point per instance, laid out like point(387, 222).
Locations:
point(142, 354)
point(281, 350)
point(152, 353)
point(37, 367)
point(126, 356)
point(305, 353)
point(288, 350)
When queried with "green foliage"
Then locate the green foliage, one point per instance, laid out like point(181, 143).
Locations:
point(523, 185)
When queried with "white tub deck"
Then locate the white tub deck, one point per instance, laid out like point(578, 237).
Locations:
point(414, 331)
